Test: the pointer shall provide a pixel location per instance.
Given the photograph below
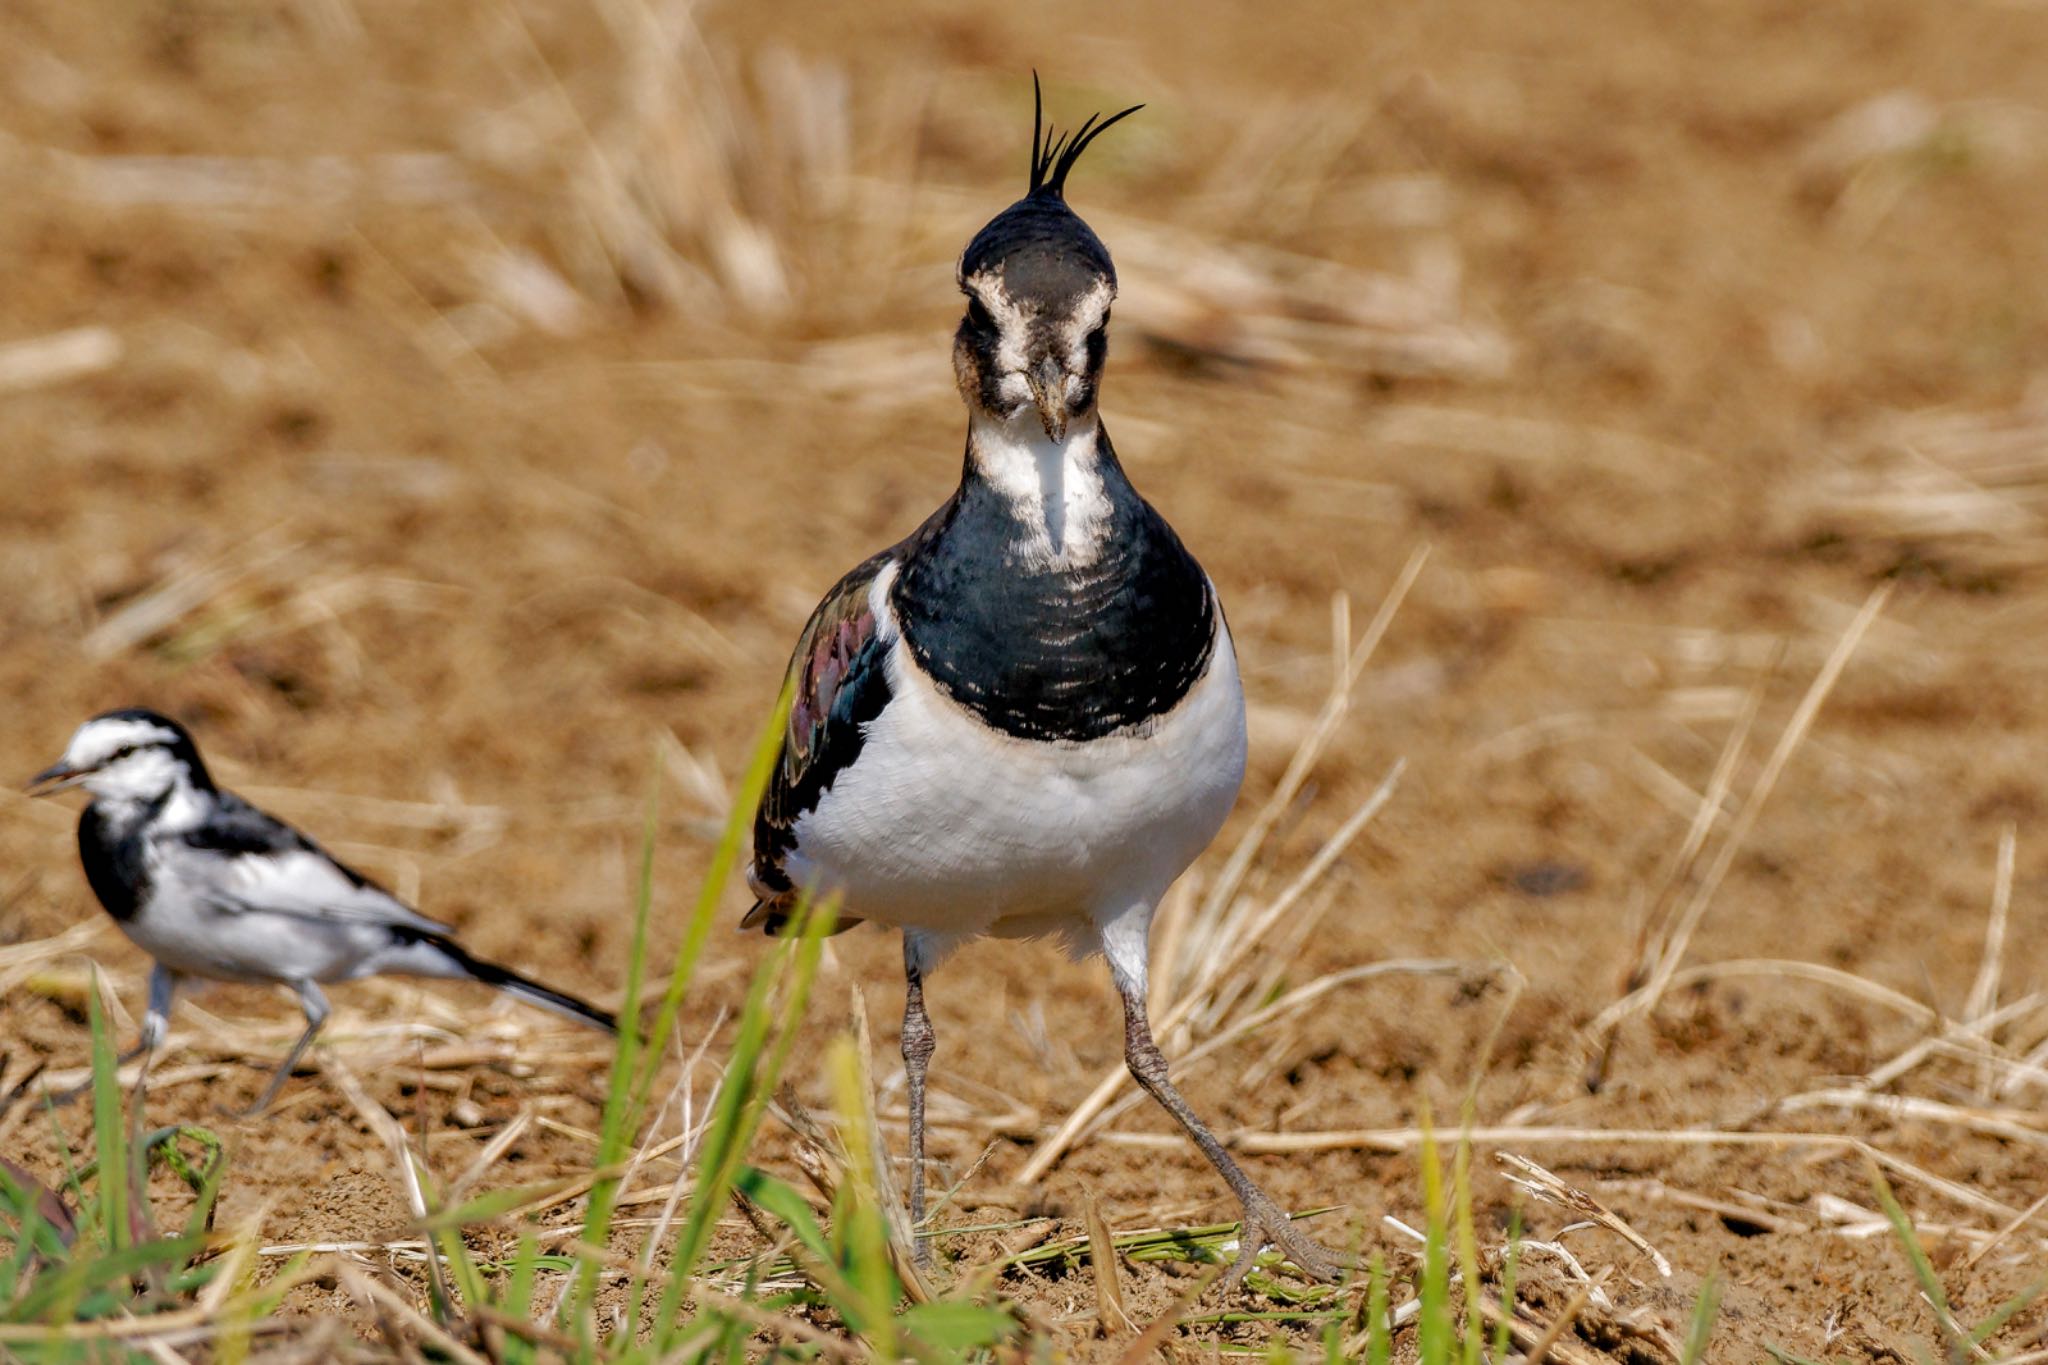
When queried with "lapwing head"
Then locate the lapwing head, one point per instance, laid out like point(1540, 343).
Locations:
point(1039, 283)
point(128, 755)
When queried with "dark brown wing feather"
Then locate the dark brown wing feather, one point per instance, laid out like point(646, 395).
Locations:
point(839, 683)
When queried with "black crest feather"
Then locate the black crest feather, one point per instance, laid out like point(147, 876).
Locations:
point(1052, 157)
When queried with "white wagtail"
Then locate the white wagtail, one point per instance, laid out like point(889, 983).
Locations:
point(210, 886)
point(1025, 719)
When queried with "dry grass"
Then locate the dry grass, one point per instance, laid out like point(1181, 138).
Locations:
point(1967, 485)
point(451, 454)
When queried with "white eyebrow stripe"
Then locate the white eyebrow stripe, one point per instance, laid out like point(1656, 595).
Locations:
point(99, 740)
point(1012, 326)
point(1094, 305)
point(1088, 315)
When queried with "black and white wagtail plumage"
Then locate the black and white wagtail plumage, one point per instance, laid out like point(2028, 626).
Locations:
point(1025, 719)
point(210, 886)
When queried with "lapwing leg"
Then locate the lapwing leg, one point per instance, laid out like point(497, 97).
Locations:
point(918, 1045)
point(316, 1008)
point(1265, 1223)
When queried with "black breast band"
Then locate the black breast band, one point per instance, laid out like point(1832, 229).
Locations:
point(1049, 652)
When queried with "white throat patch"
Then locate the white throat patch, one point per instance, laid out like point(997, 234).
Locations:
point(1055, 486)
point(145, 776)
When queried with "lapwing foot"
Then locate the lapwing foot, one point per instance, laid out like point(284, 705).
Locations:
point(1265, 1225)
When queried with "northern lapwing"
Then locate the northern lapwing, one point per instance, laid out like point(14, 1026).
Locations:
point(1025, 718)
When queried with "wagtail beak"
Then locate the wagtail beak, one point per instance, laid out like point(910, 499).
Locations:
point(1048, 392)
point(53, 779)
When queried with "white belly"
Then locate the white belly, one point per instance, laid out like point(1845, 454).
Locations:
point(194, 938)
point(944, 825)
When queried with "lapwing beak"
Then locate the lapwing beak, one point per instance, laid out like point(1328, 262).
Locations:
point(1048, 384)
point(54, 779)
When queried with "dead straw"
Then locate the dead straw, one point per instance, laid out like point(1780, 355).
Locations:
point(1394, 1141)
point(1111, 1319)
point(1548, 1187)
point(1669, 944)
point(1984, 992)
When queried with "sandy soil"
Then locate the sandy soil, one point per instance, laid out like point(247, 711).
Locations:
point(1697, 327)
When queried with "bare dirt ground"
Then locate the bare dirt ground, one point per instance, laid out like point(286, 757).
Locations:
point(453, 412)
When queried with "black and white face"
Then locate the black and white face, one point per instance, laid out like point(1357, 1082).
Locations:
point(128, 756)
point(1037, 327)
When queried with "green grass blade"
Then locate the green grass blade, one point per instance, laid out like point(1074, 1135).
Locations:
point(1916, 1255)
point(724, 861)
point(1502, 1341)
point(517, 1300)
point(1433, 1327)
point(453, 1251)
point(28, 1232)
point(781, 1199)
point(209, 1177)
point(1702, 1329)
point(724, 1136)
point(860, 1223)
point(1379, 1336)
point(957, 1329)
point(635, 1067)
point(1462, 1220)
point(24, 1201)
point(614, 1129)
point(762, 1043)
point(621, 1119)
point(488, 1206)
point(57, 1298)
point(1785, 1357)
point(2002, 1314)
point(110, 1132)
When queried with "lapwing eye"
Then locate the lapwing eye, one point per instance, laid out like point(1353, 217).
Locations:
point(1096, 343)
point(978, 315)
